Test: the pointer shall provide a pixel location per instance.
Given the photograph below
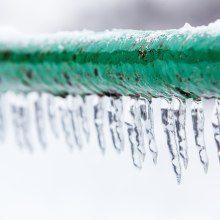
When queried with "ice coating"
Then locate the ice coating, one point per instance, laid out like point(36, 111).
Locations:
point(216, 125)
point(198, 127)
point(99, 121)
point(133, 136)
point(21, 123)
point(167, 112)
point(52, 115)
point(146, 113)
point(115, 114)
point(128, 121)
point(40, 123)
point(180, 123)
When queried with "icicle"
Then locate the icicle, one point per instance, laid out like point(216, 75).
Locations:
point(198, 127)
point(66, 124)
point(138, 127)
point(84, 118)
point(74, 112)
point(16, 125)
point(180, 120)
point(39, 119)
point(216, 125)
point(51, 111)
point(25, 126)
point(169, 128)
point(21, 122)
point(146, 113)
point(2, 119)
point(99, 123)
point(115, 122)
point(132, 134)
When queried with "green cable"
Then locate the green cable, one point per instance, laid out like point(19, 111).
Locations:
point(184, 63)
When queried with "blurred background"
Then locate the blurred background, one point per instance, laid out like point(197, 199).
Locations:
point(62, 184)
point(56, 15)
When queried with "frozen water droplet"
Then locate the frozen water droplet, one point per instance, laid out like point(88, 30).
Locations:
point(216, 125)
point(39, 119)
point(180, 120)
point(133, 135)
point(51, 111)
point(146, 113)
point(198, 127)
point(99, 122)
point(169, 128)
point(115, 123)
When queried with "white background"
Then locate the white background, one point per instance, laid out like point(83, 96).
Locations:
point(62, 184)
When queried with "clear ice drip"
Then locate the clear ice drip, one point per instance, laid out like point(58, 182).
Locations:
point(84, 118)
point(65, 116)
point(74, 115)
point(99, 122)
point(115, 113)
point(169, 128)
point(180, 124)
point(2, 119)
point(146, 114)
point(69, 120)
point(132, 120)
point(21, 124)
point(216, 125)
point(198, 127)
point(39, 119)
point(51, 111)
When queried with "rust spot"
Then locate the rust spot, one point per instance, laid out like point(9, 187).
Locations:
point(96, 72)
point(136, 77)
point(121, 76)
point(74, 57)
point(182, 92)
point(6, 54)
point(27, 56)
point(179, 78)
point(67, 78)
point(142, 53)
point(29, 74)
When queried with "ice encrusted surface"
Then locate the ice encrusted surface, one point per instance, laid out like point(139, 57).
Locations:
point(13, 37)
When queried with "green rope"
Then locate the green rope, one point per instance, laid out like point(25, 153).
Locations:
point(151, 64)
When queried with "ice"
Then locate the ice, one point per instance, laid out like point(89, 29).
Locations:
point(131, 120)
point(65, 116)
point(146, 113)
point(21, 123)
point(115, 114)
point(52, 114)
point(84, 117)
point(40, 121)
point(73, 105)
point(198, 127)
point(99, 122)
point(216, 125)
point(167, 111)
point(180, 123)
